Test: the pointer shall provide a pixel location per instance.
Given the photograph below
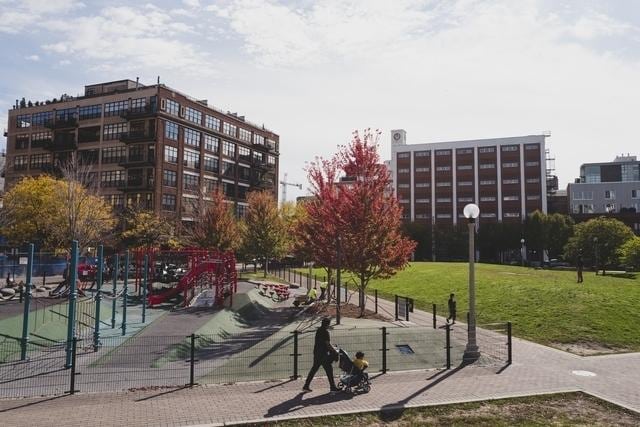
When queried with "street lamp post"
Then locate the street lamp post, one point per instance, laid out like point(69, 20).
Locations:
point(522, 252)
point(338, 266)
point(595, 244)
point(471, 352)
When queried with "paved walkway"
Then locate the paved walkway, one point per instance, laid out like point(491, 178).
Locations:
point(536, 369)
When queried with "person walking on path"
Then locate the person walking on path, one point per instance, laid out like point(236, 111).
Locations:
point(579, 268)
point(452, 309)
point(323, 355)
point(323, 290)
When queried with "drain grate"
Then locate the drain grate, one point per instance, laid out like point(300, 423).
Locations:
point(404, 349)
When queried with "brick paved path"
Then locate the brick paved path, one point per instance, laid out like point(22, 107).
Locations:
point(536, 369)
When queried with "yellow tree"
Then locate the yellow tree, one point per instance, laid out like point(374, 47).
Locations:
point(31, 210)
point(265, 231)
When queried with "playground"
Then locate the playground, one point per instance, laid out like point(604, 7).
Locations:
point(183, 318)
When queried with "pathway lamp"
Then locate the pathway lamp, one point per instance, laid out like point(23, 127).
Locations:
point(522, 252)
point(595, 244)
point(471, 352)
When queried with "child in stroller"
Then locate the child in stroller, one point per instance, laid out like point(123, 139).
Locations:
point(353, 377)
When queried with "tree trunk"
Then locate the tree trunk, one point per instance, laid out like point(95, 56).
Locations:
point(266, 265)
point(363, 300)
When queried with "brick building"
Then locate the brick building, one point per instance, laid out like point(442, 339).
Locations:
point(505, 177)
point(150, 146)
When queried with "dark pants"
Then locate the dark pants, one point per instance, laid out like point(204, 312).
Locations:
point(452, 316)
point(325, 362)
point(322, 292)
point(580, 280)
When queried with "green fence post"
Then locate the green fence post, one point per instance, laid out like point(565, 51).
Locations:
point(27, 306)
point(144, 288)
point(99, 278)
point(375, 294)
point(396, 305)
point(72, 276)
point(124, 292)
point(384, 349)
point(116, 267)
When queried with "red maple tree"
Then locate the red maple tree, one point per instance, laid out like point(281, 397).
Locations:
point(353, 200)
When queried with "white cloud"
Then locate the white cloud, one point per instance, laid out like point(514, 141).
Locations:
point(443, 70)
point(127, 38)
point(21, 15)
point(32, 58)
point(191, 3)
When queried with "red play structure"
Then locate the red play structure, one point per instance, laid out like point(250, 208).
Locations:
point(197, 268)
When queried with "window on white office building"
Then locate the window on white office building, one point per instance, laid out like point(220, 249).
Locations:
point(465, 167)
point(423, 200)
point(533, 180)
point(443, 200)
point(510, 148)
point(403, 185)
point(404, 155)
point(443, 168)
point(465, 183)
point(488, 199)
point(487, 150)
point(422, 169)
point(443, 184)
point(532, 164)
point(404, 170)
point(510, 198)
point(635, 194)
point(443, 215)
point(422, 153)
point(465, 199)
point(510, 165)
point(487, 166)
point(422, 184)
point(488, 182)
point(534, 197)
point(609, 194)
point(510, 181)
point(487, 214)
point(512, 214)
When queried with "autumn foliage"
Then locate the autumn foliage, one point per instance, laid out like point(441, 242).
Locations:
point(352, 199)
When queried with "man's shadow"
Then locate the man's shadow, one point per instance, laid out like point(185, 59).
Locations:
point(298, 402)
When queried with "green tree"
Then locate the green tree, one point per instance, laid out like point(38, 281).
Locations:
point(598, 240)
point(630, 253)
point(145, 229)
point(536, 233)
point(559, 231)
point(265, 231)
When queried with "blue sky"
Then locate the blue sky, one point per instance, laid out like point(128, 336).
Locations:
point(313, 71)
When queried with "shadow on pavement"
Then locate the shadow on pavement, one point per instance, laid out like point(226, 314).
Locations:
point(394, 411)
point(298, 402)
point(33, 403)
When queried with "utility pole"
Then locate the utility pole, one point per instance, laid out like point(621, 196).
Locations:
point(284, 183)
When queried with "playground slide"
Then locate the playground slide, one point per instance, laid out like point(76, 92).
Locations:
point(187, 282)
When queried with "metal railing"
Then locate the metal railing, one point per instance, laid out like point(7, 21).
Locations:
point(124, 363)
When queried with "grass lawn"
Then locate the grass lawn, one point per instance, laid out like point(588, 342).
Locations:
point(545, 306)
point(568, 409)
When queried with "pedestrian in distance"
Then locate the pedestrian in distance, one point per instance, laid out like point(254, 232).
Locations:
point(323, 355)
point(323, 290)
point(452, 309)
point(580, 268)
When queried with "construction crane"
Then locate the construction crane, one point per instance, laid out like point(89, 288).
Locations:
point(284, 183)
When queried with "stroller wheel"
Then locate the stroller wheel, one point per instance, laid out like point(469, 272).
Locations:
point(340, 385)
point(366, 388)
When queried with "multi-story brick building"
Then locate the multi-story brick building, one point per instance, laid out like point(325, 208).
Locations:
point(505, 177)
point(150, 146)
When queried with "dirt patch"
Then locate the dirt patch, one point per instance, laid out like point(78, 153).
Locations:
point(588, 348)
point(346, 310)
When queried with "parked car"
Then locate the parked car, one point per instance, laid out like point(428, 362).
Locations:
point(553, 263)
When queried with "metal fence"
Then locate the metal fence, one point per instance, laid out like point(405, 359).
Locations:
point(122, 363)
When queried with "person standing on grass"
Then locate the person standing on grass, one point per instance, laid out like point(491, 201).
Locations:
point(579, 268)
point(323, 355)
point(452, 309)
point(323, 290)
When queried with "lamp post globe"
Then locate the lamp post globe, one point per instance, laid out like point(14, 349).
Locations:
point(471, 352)
point(522, 252)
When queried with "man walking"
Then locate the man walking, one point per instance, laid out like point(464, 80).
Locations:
point(323, 355)
point(452, 309)
point(579, 268)
point(323, 290)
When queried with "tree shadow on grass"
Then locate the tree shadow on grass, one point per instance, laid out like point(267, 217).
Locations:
point(627, 275)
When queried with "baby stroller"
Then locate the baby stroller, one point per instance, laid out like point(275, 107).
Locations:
point(352, 378)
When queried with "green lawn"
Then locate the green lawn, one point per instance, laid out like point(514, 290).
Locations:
point(545, 306)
